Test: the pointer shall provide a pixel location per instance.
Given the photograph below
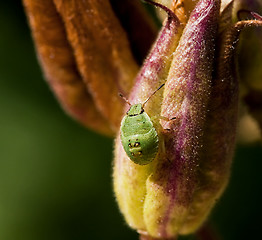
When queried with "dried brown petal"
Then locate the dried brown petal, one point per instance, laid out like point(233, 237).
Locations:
point(88, 36)
point(57, 59)
point(101, 51)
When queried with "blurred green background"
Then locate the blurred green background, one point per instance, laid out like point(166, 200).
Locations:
point(55, 176)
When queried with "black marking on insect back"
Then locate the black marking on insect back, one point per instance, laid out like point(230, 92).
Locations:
point(135, 114)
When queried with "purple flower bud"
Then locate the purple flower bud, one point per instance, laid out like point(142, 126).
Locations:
point(175, 193)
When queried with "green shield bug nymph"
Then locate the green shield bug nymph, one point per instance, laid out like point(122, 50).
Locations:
point(138, 135)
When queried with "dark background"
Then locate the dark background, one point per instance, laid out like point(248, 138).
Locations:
point(55, 176)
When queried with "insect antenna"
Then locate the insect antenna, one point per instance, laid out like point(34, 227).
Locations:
point(152, 95)
point(126, 100)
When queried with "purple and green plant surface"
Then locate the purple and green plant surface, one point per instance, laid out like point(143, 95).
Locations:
point(56, 180)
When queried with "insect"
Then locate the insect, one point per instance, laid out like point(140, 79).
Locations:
point(138, 135)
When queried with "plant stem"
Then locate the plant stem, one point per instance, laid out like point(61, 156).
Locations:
point(207, 232)
point(147, 237)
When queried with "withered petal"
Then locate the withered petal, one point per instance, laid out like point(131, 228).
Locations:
point(102, 53)
point(58, 63)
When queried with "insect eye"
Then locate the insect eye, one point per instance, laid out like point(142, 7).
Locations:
point(137, 144)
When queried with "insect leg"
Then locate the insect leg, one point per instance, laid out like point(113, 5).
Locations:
point(167, 119)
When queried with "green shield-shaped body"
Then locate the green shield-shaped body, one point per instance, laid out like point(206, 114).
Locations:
point(138, 135)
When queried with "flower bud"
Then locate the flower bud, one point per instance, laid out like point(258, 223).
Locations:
point(175, 193)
